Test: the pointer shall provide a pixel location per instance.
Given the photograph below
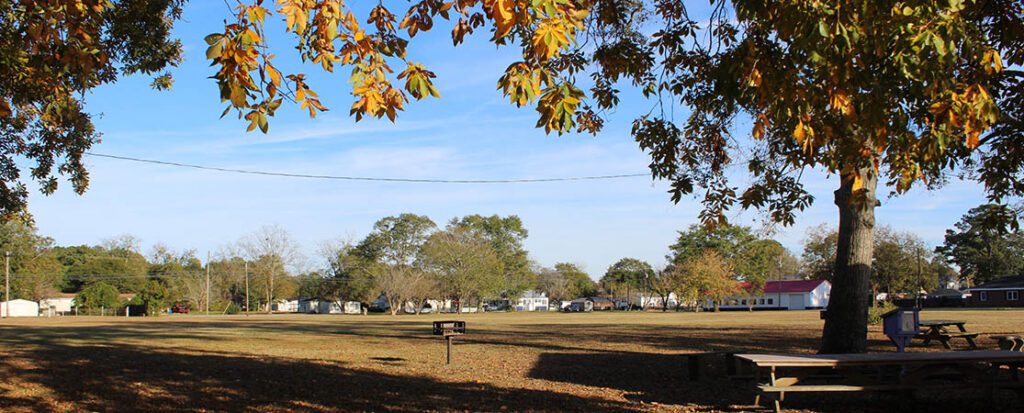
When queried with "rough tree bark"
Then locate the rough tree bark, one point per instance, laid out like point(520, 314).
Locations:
point(846, 319)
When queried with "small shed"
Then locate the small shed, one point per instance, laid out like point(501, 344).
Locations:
point(19, 308)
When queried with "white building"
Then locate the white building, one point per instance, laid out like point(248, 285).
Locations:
point(286, 306)
point(532, 301)
point(353, 307)
point(330, 307)
point(784, 295)
point(441, 306)
point(19, 308)
point(307, 306)
point(61, 305)
point(655, 301)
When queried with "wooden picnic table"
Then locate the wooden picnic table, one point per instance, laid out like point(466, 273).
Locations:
point(940, 330)
point(883, 372)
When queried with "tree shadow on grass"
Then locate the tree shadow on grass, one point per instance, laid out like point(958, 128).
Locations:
point(121, 378)
point(663, 379)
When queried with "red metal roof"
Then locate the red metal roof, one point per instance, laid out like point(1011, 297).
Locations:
point(789, 286)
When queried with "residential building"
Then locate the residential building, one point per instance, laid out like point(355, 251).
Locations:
point(307, 306)
point(286, 306)
point(781, 295)
point(654, 301)
point(532, 301)
point(59, 304)
point(1002, 292)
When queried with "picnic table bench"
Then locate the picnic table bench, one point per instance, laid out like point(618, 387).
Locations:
point(1010, 342)
point(938, 330)
point(882, 372)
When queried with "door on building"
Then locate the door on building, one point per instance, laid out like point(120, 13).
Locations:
point(796, 302)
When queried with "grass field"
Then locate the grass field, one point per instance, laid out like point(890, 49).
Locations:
point(514, 362)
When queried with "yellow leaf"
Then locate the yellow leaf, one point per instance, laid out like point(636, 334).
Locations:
point(798, 133)
point(754, 80)
point(503, 17)
point(973, 139)
point(841, 101)
point(759, 127)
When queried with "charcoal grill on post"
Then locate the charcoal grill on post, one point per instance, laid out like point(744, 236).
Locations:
point(449, 329)
point(901, 325)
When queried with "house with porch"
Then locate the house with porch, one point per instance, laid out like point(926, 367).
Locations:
point(532, 301)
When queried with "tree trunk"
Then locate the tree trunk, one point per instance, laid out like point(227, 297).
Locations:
point(846, 319)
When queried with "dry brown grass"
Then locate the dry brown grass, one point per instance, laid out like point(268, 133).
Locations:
point(516, 362)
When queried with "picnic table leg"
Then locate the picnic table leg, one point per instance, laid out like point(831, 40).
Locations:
point(932, 332)
point(970, 342)
point(782, 395)
point(757, 380)
point(945, 343)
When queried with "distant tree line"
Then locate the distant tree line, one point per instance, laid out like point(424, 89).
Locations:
point(409, 259)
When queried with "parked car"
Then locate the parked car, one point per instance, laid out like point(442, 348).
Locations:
point(179, 308)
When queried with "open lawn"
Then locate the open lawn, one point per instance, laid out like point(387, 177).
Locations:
point(515, 362)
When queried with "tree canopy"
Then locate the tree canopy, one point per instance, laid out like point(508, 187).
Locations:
point(52, 54)
point(986, 244)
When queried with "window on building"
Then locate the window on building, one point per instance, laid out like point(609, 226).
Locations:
point(1012, 295)
point(744, 302)
point(983, 296)
point(761, 301)
point(771, 301)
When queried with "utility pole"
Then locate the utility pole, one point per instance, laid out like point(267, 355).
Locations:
point(7, 284)
point(207, 282)
point(247, 288)
point(920, 280)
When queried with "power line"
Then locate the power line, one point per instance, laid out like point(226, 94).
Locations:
point(368, 178)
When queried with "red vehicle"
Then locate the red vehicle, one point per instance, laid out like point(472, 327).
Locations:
point(180, 308)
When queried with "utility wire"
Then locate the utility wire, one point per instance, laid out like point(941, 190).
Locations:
point(368, 178)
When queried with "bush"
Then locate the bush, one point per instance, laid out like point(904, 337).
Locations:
point(875, 313)
point(98, 295)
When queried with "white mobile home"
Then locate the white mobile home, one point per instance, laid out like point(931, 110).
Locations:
point(307, 306)
point(353, 307)
point(329, 307)
point(782, 295)
point(286, 306)
point(19, 308)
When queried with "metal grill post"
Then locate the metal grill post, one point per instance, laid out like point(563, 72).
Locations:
point(449, 340)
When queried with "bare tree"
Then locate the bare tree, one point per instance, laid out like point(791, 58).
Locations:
point(123, 242)
point(274, 253)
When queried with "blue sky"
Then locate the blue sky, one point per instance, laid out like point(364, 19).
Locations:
point(471, 133)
